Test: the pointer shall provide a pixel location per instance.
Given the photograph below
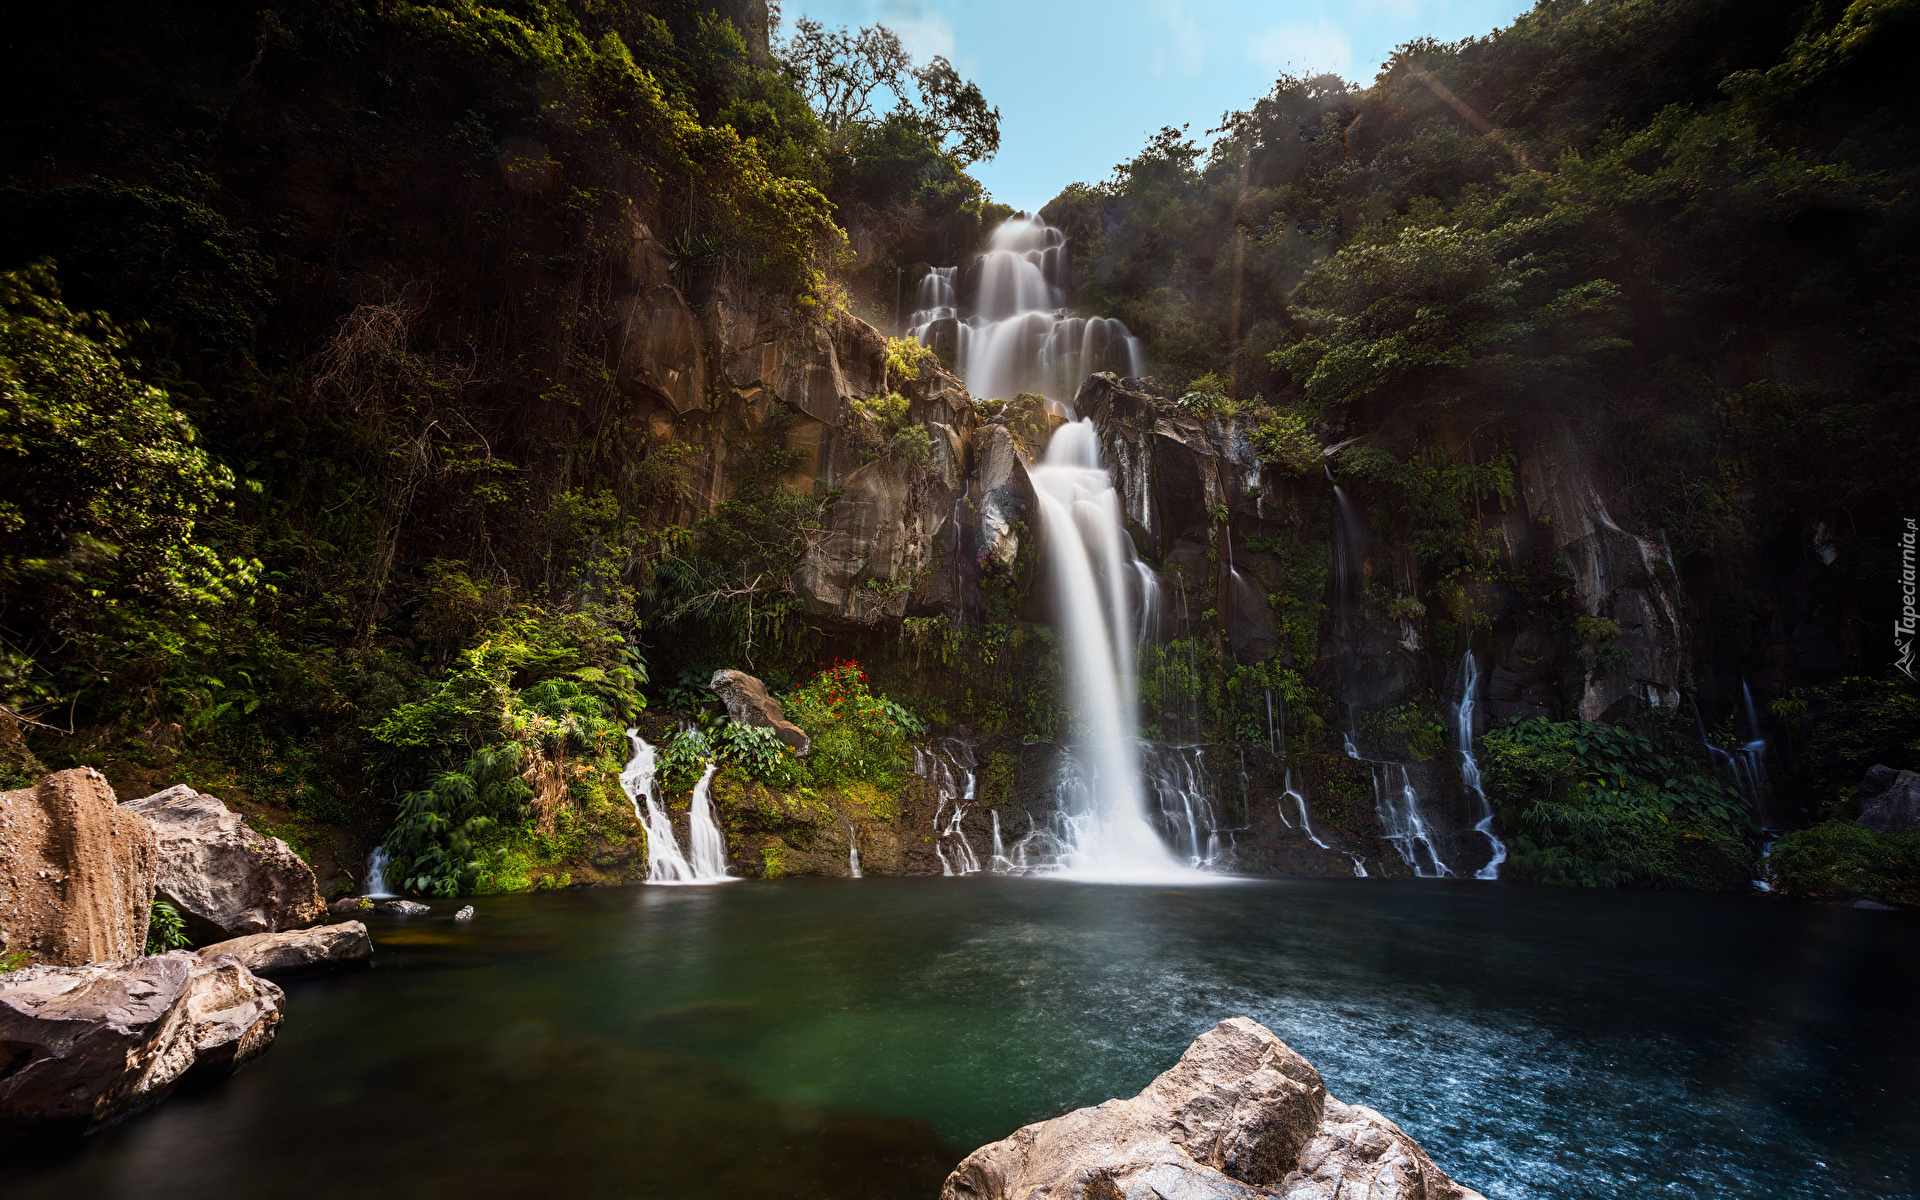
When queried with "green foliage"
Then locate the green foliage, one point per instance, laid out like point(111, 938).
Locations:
point(102, 529)
point(1835, 732)
point(1606, 806)
point(857, 736)
point(14, 961)
point(166, 929)
point(1838, 860)
point(1408, 729)
point(436, 845)
point(758, 751)
point(685, 759)
point(906, 358)
point(1284, 441)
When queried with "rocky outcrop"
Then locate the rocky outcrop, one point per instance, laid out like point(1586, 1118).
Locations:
point(297, 951)
point(1239, 1116)
point(226, 880)
point(748, 703)
point(84, 1046)
point(76, 872)
point(1890, 800)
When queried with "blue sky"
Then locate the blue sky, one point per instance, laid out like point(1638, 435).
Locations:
point(1080, 86)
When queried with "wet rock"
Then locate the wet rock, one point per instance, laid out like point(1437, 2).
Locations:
point(880, 533)
point(297, 951)
point(1890, 800)
point(748, 703)
point(404, 908)
point(351, 904)
point(1002, 499)
point(226, 880)
point(76, 872)
point(1239, 1116)
point(465, 914)
point(83, 1046)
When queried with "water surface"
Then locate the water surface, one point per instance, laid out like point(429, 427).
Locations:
point(839, 1038)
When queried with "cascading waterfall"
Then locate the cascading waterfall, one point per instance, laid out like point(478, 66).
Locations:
point(1470, 767)
point(1105, 831)
point(376, 888)
point(665, 863)
point(1020, 337)
point(853, 852)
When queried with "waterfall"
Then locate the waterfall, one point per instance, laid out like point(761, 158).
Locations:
point(1470, 768)
point(703, 832)
point(665, 864)
point(1090, 561)
point(853, 852)
point(999, 864)
point(1020, 338)
point(1305, 823)
point(376, 887)
point(1395, 803)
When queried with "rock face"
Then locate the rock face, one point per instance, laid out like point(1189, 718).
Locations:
point(748, 703)
point(83, 1046)
point(1239, 1116)
point(76, 872)
point(1890, 800)
point(297, 951)
point(226, 880)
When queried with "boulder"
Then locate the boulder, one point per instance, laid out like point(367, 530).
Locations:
point(748, 703)
point(226, 880)
point(1239, 1116)
point(1890, 800)
point(297, 951)
point(76, 872)
point(83, 1046)
point(405, 908)
point(351, 904)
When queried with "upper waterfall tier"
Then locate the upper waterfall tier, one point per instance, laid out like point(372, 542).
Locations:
point(1016, 335)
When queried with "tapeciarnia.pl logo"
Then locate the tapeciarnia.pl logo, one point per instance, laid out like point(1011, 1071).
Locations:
point(1905, 623)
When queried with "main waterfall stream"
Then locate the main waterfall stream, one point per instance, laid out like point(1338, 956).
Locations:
point(843, 1039)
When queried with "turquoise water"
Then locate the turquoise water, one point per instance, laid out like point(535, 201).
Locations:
point(840, 1038)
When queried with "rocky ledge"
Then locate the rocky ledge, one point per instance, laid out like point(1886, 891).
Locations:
point(1239, 1117)
point(297, 951)
point(84, 1046)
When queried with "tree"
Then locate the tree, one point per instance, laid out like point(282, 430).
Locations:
point(848, 78)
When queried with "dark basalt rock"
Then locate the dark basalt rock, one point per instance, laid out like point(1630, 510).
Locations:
point(1890, 800)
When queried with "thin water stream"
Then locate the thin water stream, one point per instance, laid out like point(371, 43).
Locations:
point(834, 1038)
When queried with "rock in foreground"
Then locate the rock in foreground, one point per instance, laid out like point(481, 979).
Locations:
point(226, 880)
point(1239, 1117)
point(76, 873)
point(297, 951)
point(83, 1046)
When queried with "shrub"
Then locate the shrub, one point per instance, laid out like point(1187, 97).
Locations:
point(857, 735)
point(1839, 859)
point(1605, 806)
point(166, 929)
point(435, 846)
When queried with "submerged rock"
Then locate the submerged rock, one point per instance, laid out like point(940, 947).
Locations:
point(1890, 800)
point(748, 703)
point(226, 880)
point(465, 914)
point(404, 908)
point(295, 951)
point(76, 872)
point(1239, 1116)
point(83, 1046)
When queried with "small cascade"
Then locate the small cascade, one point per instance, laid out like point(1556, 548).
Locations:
point(665, 863)
point(709, 849)
point(1750, 761)
point(999, 863)
point(376, 888)
point(940, 770)
point(1181, 790)
point(1396, 802)
point(1305, 823)
point(1470, 768)
point(1020, 337)
point(853, 852)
